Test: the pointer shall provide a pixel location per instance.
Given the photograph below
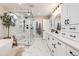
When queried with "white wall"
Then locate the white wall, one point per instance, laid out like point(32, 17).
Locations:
point(46, 24)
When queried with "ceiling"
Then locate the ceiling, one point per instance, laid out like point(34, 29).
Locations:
point(38, 9)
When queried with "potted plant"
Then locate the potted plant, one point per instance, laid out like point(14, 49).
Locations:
point(7, 22)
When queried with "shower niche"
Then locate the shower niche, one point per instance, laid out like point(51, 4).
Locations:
point(23, 30)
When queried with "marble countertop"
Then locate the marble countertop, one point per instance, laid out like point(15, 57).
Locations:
point(68, 42)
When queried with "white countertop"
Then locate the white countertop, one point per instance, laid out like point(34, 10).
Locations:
point(69, 42)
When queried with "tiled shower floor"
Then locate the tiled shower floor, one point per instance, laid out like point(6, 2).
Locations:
point(38, 48)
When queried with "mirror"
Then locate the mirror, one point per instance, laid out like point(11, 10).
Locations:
point(56, 20)
point(55, 23)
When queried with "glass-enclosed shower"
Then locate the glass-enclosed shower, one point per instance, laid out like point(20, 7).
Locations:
point(23, 29)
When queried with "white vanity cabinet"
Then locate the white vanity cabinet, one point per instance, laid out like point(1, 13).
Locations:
point(70, 13)
point(56, 47)
point(70, 21)
point(59, 47)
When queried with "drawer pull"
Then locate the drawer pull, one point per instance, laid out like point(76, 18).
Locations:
point(72, 36)
point(48, 39)
point(59, 43)
point(73, 28)
point(54, 45)
point(63, 33)
point(67, 21)
point(52, 38)
point(72, 53)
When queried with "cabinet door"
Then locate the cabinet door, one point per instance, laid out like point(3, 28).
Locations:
point(70, 28)
point(71, 36)
point(64, 13)
point(74, 13)
point(60, 49)
point(50, 42)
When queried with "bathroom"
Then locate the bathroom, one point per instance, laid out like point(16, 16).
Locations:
point(39, 29)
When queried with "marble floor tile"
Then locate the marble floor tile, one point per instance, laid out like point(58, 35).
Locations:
point(38, 48)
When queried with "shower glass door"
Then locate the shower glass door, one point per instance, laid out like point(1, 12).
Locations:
point(23, 29)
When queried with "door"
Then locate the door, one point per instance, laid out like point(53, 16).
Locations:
point(64, 13)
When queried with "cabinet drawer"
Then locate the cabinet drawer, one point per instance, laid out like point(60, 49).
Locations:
point(64, 34)
point(72, 36)
point(72, 52)
point(72, 28)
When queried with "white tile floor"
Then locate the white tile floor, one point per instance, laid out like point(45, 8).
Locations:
point(38, 48)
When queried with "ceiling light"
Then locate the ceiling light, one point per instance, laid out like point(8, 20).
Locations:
point(20, 3)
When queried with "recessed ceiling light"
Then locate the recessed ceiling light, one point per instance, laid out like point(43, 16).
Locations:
point(20, 3)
